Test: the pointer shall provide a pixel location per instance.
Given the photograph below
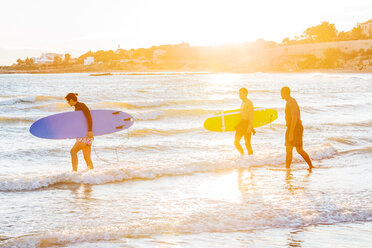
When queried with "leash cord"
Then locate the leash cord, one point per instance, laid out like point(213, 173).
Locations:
point(116, 151)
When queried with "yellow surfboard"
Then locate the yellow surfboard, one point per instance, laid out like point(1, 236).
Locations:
point(227, 120)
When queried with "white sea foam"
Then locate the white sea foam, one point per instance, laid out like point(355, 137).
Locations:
point(148, 115)
point(28, 99)
point(224, 217)
point(315, 153)
point(18, 100)
point(338, 76)
point(135, 104)
point(164, 103)
point(18, 119)
point(118, 174)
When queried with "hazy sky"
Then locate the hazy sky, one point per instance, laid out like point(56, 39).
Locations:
point(83, 25)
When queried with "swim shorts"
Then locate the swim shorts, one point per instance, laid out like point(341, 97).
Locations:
point(297, 136)
point(86, 140)
point(241, 128)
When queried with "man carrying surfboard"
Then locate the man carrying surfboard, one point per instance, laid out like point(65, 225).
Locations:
point(84, 143)
point(294, 133)
point(245, 126)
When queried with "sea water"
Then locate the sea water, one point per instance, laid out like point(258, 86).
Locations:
point(168, 182)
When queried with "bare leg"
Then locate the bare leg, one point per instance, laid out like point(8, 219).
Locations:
point(247, 139)
point(305, 156)
point(288, 158)
point(238, 137)
point(88, 160)
point(74, 158)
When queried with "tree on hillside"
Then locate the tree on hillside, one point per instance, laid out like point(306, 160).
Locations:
point(67, 59)
point(343, 36)
point(356, 33)
point(57, 60)
point(19, 62)
point(29, 61)
point(321, 33)
point(331, 57)
point(286, 41)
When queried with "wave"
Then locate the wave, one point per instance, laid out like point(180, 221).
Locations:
point(119, 174)
point(139, 116)
point(343, 140)
point(163, 103)
point(339, 76)
point(58, 106)
point(362, 124)
point(367, 123)
point(11, 119)
point(29, 99)
point(367, 149)
point(157, 114)
point(149, 115)
point(316, 153)
point(136, 104)
point(152, 131)
point(224, 217)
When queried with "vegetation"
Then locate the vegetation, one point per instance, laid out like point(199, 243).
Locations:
point(246, 57)
point(325, 32)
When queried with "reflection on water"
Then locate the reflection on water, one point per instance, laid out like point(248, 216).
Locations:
point(245, 180)
point(293, 239)
point(81, 191)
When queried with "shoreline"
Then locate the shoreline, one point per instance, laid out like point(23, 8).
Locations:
point(161, 72)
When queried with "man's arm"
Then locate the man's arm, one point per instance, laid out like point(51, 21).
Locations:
point(89, 120)
point(250, 116)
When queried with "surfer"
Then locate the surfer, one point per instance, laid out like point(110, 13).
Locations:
point(84, 143)
point(294, 132)
point(245, 126)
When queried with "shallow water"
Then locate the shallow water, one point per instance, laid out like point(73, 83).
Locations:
point(169, 182)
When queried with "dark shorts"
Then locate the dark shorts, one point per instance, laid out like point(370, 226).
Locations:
point(297, 136)
point(241, 129)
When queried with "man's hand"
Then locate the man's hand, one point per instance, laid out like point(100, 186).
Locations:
point(90, 134)
point(250, 129)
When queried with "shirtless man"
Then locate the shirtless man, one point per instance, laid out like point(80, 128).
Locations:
point(245, 126)
point(294, 133)
point(84, 143)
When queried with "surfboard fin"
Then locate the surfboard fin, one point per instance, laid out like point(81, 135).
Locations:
point(128, 119)
point(116, 113)
point(120, 127)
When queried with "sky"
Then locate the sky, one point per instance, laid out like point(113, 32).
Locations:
point(28, 28)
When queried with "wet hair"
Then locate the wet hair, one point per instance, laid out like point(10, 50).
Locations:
point(71, 96)
point(286, 90)
point(244, 91)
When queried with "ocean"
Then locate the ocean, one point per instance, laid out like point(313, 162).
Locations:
point(168, 182)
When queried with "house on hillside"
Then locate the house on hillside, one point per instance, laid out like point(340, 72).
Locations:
point(366, 28)
point(47, 58)
point(89, 60)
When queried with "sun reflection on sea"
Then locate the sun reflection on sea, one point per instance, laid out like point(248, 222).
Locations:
point(224, 187)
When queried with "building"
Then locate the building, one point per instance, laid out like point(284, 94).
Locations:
point(47, 58)
point(366, 28)
point(88, 60)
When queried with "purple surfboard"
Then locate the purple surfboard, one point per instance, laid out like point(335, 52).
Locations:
point(71, 125)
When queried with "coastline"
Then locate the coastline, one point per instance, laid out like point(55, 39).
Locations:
point(161, 72)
